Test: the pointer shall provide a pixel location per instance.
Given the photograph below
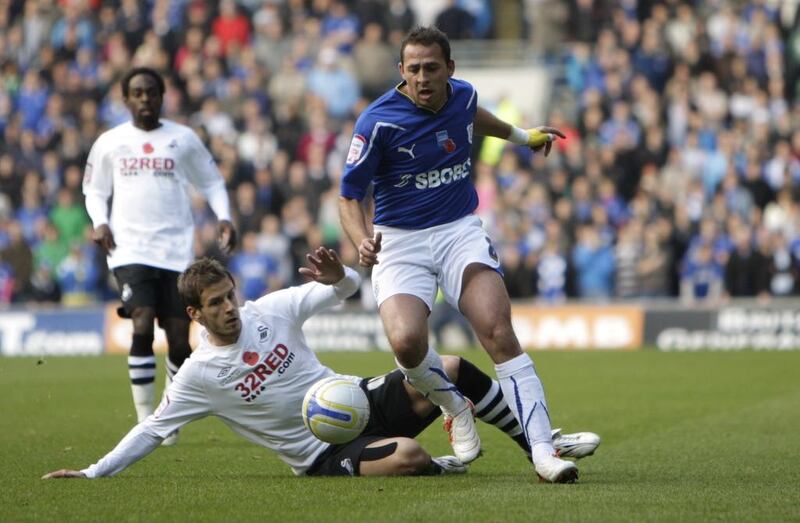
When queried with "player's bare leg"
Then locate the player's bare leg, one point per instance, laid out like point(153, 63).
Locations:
point(405, 320)
point(404, 457)
point(142, 362)
point(485, 303)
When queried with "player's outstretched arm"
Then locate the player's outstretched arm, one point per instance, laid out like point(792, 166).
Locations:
point(537, 138)
point(324, 266)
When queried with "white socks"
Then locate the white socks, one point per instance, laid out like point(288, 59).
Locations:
point(525, 396)
point(143, 399)
point(142, 373)
point(430, 379)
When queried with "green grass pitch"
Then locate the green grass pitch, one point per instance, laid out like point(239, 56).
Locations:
point(686, 437)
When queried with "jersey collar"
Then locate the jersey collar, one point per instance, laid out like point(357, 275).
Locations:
point(449, 96)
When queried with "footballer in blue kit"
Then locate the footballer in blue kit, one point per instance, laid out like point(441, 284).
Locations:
point(417, 159)
point(412, 146)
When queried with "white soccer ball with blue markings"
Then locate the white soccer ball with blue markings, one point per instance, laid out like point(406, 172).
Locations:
point(335, 410)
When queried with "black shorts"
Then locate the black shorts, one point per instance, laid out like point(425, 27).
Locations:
point(391, 416)
point(145, 286)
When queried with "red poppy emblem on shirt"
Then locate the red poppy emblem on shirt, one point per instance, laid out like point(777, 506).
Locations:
point(449, 145)
point(147, 148)
point(251, 358)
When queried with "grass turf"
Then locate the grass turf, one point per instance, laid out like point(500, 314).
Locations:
point(686, 437)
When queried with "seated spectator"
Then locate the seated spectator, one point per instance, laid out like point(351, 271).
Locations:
point(19, 257)
point(333, 84)
point(744, 273)
point(701, 277)
point(256, 273)
point(783, 269)
point(69, 218)
point(653, 267)
point(552, 273)
point(78, 275)
point(594, 263)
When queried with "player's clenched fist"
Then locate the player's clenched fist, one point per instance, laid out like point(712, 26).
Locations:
point(368, 250)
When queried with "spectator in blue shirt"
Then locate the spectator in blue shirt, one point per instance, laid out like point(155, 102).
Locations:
point(255, 272)
point(702, 276)
point(594, 263)
point(334, 84)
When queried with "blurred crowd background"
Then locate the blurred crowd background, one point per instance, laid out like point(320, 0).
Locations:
point(679, 176)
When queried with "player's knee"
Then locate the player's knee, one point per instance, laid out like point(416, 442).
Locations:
point(143, 318)
point(410, 458)
point(451, 365)
point(499, 335)
point(409, 347)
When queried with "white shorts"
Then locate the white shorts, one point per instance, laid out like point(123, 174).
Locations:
point(416, 262)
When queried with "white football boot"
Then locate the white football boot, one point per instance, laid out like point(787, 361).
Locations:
point(553, 469)
point(576, 445)
point(450, 465)
point(463, 434)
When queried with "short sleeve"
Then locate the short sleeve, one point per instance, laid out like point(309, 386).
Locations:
point(98, 175)
point(363, 158)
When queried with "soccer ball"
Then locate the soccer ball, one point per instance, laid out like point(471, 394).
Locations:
point(335, 410)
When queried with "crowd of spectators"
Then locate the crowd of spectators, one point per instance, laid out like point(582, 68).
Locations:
point(679, 176)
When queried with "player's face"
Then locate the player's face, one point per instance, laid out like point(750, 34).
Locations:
point(219, 312)
point(144, 101)
point(426, 73)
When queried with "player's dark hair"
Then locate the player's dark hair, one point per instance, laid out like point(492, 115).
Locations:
point(427, 36)
point(198, 276)
point(126, 80)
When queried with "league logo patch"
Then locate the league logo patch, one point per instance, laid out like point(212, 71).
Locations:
point(356, 148)
point(127, 292)
point(87, 174)
point(147, 148)
point(347, 464)
point(445, 142)
point(469, 132)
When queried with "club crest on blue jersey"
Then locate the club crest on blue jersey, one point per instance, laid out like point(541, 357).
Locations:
point(445, 142)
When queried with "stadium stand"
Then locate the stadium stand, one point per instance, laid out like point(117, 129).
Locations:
point(679, 176)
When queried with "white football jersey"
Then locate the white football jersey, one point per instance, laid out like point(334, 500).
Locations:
point(255, 386)
point(148, 174)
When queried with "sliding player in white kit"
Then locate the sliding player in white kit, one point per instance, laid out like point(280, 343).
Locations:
point(147, 165)
point(253, 368)
point(412, 147)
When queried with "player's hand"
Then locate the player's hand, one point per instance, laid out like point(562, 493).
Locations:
point(226, 236)
point(103, 237)
point(368, 250)
point(325, 266)
point(64, 473)
point(543, 137)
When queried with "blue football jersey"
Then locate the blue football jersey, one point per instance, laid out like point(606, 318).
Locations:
point(417, 160)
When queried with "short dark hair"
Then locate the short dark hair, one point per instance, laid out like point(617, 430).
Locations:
point(427, 36)
point(199, 275)
point(126, 80)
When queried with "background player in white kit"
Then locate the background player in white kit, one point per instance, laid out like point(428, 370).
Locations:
point(252, 370)
point(146, 165)
point(412, 145)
